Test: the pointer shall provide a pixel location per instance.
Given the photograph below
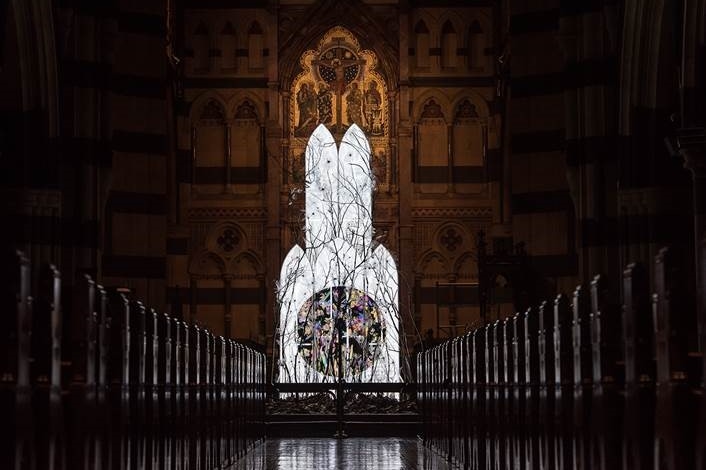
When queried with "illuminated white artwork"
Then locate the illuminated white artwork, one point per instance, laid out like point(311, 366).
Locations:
point(341, 281)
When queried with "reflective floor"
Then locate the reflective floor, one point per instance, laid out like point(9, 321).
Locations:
point(344, 454)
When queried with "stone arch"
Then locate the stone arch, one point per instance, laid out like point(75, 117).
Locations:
point(255, 45)
point(422, 41)
point(201, 101)
point(251, 258)
point(427, 257)
point(355, 16)
point(208, 132)
point(36, 60)
point(450, 38)
point(475, 98)
point(463, 261)
point(477, 39)
point(424, 98)
point(206, 264)
point(430, 22)
point(470, 130)
point(449, 15)
point(201, 43)
point(228, 44)
point(239, 98)
point(339, 65)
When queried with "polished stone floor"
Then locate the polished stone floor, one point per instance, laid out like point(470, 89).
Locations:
point(344, 454)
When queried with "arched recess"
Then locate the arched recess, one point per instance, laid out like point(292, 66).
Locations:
point(431, 143)
point(466, 267)
point(201, 48)
point(205, 264)
point(256, 47)
point(421, 100)
point(246, 265)
point(469, 138)
point(477, 39)
point(480, 103)
point(432, 261)
point(246, 144)
point(449, 45)
point(209, 127)
point(422, 44)
point(228, 42)
point(354, 15)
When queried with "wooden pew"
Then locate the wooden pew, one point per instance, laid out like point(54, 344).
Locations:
point(49, 443)
point(164, 395)
point(15, 388)
point(701, 431)
point(467, 397)
point(499, 448)
point(547, 386)
point(489, 417)
point(582, 375)
point(184, 399)
point(138, 377)
point(638, 417)
point(119, 386)
point(674, 421)
point(607, 378)
point(508, 408)
point(82, 404)
point(531, 388)
point(563, 385)
point(478, 399)
point(520, 382)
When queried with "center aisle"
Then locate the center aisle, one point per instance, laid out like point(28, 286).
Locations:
point(359, 453)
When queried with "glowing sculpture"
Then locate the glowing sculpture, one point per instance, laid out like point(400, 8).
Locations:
point(342, 279)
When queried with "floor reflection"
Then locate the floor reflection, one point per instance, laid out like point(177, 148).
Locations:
point(342, 454)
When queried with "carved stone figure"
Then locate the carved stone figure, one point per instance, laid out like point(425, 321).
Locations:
point(354, 101)
point(307, 103)
point(372, 109)
point(324, 103)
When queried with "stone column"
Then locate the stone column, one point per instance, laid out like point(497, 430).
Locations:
point(692, 147)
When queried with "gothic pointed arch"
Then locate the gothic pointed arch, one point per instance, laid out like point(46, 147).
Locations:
point(228, 43)
point(209, 126)
point(339, 85)
point(355, 16)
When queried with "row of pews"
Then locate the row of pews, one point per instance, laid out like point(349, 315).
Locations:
point(583, 382)
point(124, 387)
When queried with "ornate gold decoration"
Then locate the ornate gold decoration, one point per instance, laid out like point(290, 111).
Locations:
point(338, 86)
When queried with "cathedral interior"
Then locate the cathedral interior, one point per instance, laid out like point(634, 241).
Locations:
point(488, 216)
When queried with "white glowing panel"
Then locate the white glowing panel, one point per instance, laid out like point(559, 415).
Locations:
point(340, 280)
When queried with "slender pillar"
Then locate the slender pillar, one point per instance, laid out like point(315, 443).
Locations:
point(692, 146)
point(227, 317)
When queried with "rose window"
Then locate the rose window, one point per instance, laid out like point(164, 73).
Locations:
point(362, 327)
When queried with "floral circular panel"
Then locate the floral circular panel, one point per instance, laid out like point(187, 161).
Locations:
point(362, 331)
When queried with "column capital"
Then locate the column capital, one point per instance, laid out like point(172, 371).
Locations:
point(692, 148)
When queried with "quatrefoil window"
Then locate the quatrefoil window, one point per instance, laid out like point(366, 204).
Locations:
point(451, 239)
point(228, 240)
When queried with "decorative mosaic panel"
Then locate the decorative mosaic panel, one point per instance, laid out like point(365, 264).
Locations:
point(339, 86)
